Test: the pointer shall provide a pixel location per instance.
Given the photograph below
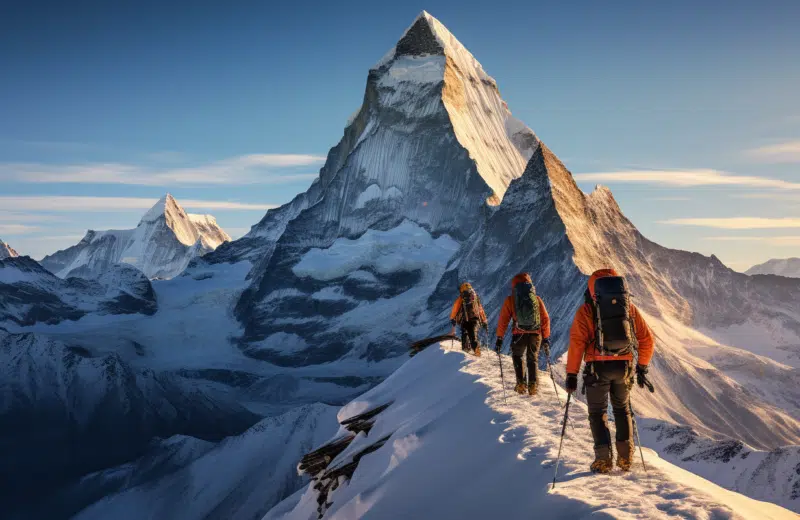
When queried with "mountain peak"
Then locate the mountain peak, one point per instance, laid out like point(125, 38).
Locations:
point(6, 251)
point(166, 206)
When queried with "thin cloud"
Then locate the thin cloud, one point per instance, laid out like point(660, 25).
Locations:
point(686, 179)
point(241, 170)
point(16, 229)
point(786, 152)
point(737, 222)
point(792, 240)
point(59, 204)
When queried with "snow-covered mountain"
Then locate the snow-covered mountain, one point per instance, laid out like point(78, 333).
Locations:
point(6, 251)
point(780, 266)
point(161, 246)
point(30, 295)
point(434, 182)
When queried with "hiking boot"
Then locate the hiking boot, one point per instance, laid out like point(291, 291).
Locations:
point(602, 460)
point(624, 455)
point(602, 466)
point(478, 351)
point(533, 388)
point(521, 388)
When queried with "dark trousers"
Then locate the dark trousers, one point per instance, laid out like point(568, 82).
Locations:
point(469, 334)
point(525, 347)
point(609, 378)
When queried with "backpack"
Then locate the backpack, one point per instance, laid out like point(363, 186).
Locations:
point(470, 305)
point(611, 310)
point(526, 307)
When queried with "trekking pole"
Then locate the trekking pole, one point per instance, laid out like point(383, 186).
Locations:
point(561, 442)
point(502, 378)
point(636, 432)
point(555, 389)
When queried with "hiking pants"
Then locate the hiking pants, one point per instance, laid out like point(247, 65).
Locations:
point(469, 334)
point(525, 346)
point(614, 379)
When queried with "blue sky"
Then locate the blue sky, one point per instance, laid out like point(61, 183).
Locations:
point(689, 112)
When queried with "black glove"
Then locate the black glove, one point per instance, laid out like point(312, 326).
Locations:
point(546, 347)
point(453, 323)
point(485, 326)
point(572, 383)
point(498, 345)
point(641, 378)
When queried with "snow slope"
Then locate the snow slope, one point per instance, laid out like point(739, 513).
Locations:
point(779, 266)
point(67, 412)
point(238, 479)
point(161, 246)
point(6, 251)
point(455, 450)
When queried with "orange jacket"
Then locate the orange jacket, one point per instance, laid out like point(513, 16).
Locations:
point(508, 313)
point(454, 313)
point(582, 334)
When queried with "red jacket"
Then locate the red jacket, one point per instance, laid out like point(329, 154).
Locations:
point(508, 313)
point(582, 334)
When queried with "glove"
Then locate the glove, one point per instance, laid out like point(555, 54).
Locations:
point(453, 323)
point(546, 346)
point(498, 345)
point(572, 383)
point(485, 326)
point(641, 378)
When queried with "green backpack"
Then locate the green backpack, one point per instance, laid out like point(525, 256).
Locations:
point(526, 307)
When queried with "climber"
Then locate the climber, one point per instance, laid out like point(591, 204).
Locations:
point(531, 329)
point(608, 350)
point(469, 315)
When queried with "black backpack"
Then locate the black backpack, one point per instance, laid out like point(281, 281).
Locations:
point(611, 311)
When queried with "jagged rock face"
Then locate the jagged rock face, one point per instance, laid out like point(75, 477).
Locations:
point(789, 267)
point(67, 413)
point(161, 246)
point(432, 143)
point(30, 294)
point(6, 251)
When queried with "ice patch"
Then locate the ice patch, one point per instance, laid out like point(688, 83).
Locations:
point(283, 342)
point(407, 247)
point(372, 192)
point(331, 294)
point(416, 69)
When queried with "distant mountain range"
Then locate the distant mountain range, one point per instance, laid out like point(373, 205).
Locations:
point(161, 246)
point(780, 266)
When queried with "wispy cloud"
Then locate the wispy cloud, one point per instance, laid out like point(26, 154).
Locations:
point(57, 203)
point(686, 178)
point(16, 229)
point(244, 169)
point(672, 199)
point(737, 222)
point(792, 240)
point(785, 152)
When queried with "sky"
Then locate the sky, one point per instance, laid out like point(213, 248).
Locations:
point(688, 110)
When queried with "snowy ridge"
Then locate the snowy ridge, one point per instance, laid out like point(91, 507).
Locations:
point(779, 266)
point(6, 251)
point(503, 467)
point(161, 246)
point(30, 295)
